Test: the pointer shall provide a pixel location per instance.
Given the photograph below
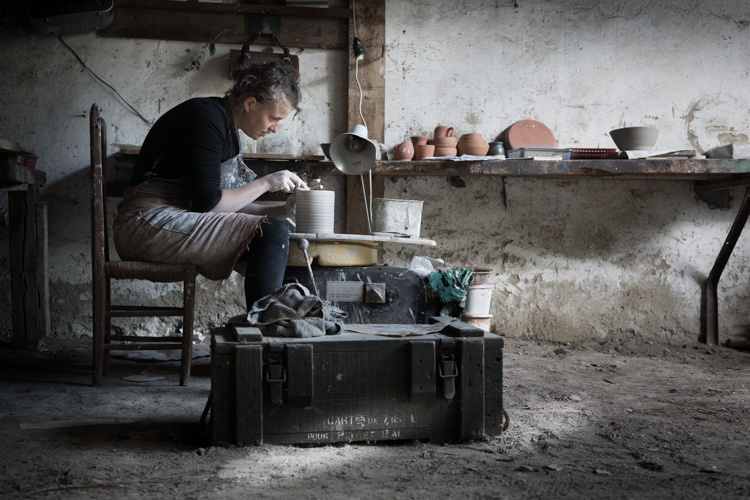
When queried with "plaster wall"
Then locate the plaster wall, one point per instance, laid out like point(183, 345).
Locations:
point(571, 259)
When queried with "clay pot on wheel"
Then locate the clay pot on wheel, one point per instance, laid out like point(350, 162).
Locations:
point(404, 151)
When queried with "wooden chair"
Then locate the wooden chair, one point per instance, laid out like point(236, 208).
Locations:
point(105, 270)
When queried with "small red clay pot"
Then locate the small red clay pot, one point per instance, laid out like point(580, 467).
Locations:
point(419, 140)
point(422, 151)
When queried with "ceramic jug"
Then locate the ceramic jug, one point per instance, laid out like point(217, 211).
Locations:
point(404, 151)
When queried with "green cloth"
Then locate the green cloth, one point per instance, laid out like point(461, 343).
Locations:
point(450, 286)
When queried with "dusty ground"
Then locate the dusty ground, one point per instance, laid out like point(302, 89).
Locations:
point(624, 419)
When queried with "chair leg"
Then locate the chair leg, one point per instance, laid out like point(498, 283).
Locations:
point(187, 328)
point(98, 334)
point(107, 327)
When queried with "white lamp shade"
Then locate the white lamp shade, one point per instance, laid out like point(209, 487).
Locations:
point(353, 153)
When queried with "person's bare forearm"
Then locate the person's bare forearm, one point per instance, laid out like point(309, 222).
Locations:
point(275, 211)
point(237, 199)
point(234, 200)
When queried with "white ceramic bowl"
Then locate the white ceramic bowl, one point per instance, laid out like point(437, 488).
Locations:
point(634, 138)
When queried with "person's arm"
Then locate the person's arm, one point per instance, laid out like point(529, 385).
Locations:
point(241, 199)
point(275, 211)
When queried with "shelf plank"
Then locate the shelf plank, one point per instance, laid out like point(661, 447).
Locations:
point(301, 27)
point(374, 238)
point(716, 170)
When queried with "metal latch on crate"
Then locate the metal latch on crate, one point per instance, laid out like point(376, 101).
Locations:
point(448, 371)
point(355, 291)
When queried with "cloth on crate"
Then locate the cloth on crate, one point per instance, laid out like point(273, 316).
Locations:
point(292, 311)
point(450, 286)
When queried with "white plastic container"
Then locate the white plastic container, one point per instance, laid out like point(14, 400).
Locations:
point(478, 299)
point(400, 217)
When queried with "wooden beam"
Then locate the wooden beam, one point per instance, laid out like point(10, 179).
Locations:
point(370, 18)
point(301, 27)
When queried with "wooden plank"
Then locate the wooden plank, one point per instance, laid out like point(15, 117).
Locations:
point(423, 383)
point(493, 386)
point(375, 238)
point(300, 375)
point(370, 72)
point(302, 27)
point(272, 156)
point(42, 268)
point(24, 299)
point(11, 173)
point(722, 185)
point(471, 380)
point(7, 145)
point(222, 398)
point(670, 170)
point(248, 394)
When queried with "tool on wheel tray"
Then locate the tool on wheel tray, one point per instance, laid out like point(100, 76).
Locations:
point(303, 245)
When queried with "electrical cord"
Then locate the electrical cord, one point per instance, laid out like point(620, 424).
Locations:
point(359, 52)
point(105, 83)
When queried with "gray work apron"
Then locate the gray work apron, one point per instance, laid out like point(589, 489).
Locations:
point(149, 227)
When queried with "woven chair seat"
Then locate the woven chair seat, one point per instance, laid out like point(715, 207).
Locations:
point(152, 271)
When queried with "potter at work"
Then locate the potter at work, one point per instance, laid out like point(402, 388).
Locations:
point(189, 204)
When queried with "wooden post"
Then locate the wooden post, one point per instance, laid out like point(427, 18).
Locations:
point(23, 277)
point(370, 19)
point(42, 268)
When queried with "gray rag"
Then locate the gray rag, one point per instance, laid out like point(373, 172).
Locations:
point(292, 311)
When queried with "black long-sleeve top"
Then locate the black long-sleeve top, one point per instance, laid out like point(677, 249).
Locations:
point(190, 140)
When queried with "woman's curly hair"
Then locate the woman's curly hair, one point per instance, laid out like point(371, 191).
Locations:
point(268, 83)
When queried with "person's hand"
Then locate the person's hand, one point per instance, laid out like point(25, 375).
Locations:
point(284, 180)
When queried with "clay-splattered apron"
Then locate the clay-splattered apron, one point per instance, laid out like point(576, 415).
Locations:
point(155, 224)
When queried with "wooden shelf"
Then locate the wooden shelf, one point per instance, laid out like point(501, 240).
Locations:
point(666, 169)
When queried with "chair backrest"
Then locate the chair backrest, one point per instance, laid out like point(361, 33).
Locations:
point(99, 236)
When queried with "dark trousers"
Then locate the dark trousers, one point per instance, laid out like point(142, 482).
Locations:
point(266, 260)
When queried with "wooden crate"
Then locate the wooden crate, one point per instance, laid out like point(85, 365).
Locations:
point(354, 387)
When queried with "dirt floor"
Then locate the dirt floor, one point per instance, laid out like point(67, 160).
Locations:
point(616, 419)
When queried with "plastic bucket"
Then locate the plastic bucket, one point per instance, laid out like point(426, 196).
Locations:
point(478, 298)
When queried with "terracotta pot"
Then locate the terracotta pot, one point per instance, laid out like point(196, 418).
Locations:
point(422, 151)
point(473, 137)
point(419, 140)
point(404, 151)
point(473, 149)
point(445, 142)
point(443, 131)
point(445, 151)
